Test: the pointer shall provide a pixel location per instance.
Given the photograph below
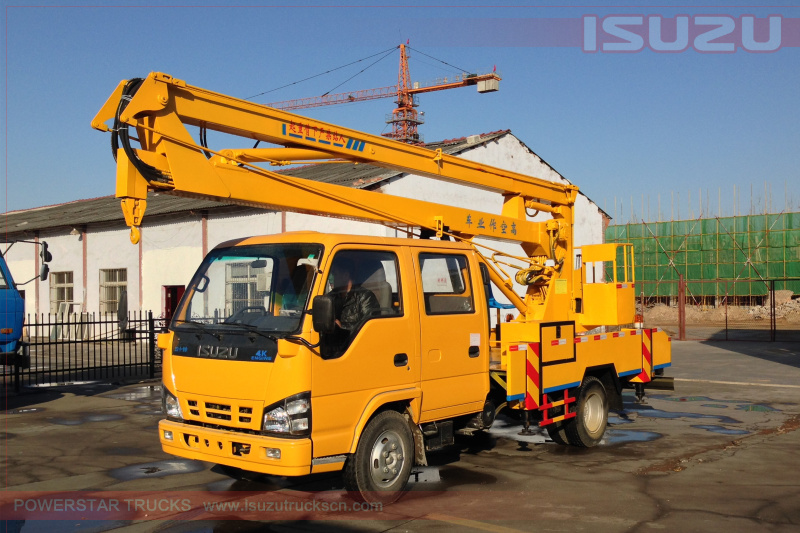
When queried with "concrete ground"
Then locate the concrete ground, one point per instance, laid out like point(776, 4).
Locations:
point(718, 454)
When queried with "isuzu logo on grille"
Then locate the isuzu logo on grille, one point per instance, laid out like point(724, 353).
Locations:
point(217, 352)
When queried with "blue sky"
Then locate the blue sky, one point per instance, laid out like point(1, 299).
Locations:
point(626, 128)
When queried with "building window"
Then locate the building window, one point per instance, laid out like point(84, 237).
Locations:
point(247, 286)
point(60, 292)
point(113, 282)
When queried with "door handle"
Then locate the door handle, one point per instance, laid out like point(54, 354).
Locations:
point(400, 359)
point(474, 351)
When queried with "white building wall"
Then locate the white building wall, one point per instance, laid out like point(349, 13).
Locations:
point(107, 249)
point(171, 251)
point(230, 226)
point(67, 252)
point(302, 222)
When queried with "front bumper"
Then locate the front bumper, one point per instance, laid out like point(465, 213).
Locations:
point(226, 447)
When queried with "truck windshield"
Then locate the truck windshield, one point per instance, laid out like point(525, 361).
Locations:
point(263, 287)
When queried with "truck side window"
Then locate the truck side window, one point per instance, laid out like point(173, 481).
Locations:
point(365, 286)
point(446, 284)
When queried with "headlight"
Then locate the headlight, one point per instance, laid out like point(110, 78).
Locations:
point(290, 416)
point(169, 404)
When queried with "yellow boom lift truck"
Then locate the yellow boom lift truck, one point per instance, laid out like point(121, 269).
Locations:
point(260, 372)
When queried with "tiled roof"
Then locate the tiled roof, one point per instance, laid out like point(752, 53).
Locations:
point(106, 209)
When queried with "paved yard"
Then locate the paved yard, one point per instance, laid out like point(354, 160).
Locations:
point(718, 454)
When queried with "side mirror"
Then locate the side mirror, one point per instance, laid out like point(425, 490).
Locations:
point(44, 271)
point(45, 253)
point(322, 314)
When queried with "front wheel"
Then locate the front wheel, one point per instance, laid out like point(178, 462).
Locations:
point(589, 424)
point(380, 468)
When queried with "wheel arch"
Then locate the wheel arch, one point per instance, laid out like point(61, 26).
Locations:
point(607, 374)
point(402, 401)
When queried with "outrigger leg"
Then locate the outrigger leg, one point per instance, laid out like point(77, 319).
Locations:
point(640, 397)
point(526, 424)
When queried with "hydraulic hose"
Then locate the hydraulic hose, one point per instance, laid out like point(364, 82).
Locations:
point(120, 136)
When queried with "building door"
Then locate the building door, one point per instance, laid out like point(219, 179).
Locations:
point(170, 295)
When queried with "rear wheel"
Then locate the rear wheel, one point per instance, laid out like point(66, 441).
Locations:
point(589, 424)
point(380, 468)
point(557, 433)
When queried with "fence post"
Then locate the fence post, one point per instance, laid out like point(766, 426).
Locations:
point(151, 334)
point(726, 310)
point(773, 320)
point(681, 308)
point(17, 377)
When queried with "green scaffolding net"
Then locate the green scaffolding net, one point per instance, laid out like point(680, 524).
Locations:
point(734, 256)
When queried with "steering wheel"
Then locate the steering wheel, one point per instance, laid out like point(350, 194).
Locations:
point(237, 315)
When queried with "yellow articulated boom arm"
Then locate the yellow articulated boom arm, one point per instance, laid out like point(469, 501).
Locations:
point(169, 160)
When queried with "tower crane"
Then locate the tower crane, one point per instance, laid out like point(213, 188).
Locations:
point(404, 118)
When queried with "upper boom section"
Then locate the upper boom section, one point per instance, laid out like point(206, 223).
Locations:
point(161, 95)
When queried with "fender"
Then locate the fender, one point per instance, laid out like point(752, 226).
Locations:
point(413, 395)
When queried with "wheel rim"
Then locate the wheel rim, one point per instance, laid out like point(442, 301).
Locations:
point(594, 413)
point(387, 459)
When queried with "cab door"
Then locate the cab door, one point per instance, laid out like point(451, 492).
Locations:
point(12, 308)
point(382, 355)
point(453, 335)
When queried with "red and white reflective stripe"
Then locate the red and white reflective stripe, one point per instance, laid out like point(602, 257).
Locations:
point(623, 285)
point(636, 332)
point(579, 340)
point(558, 342)
point(618, 334)
point(600, 337)
point(518, 348)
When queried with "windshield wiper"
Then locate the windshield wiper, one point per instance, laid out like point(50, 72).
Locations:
point(253, 329)
point(292, 338)
point(202, 327)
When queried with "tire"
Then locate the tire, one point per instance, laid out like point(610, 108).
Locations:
point(589, 424)
point(557, 433)
point(556, 430)
point(381, 466)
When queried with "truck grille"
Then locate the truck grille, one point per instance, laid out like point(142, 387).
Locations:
point(231, 414)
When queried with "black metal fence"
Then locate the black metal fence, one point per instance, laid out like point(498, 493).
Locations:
point(716, 309)
point(74, 348)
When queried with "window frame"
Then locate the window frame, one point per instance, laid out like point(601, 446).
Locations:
point(104, 284)
point(67, 286)
point(331, 348)
point(468, 288)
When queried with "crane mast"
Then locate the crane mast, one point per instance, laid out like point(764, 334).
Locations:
point(404, 118)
